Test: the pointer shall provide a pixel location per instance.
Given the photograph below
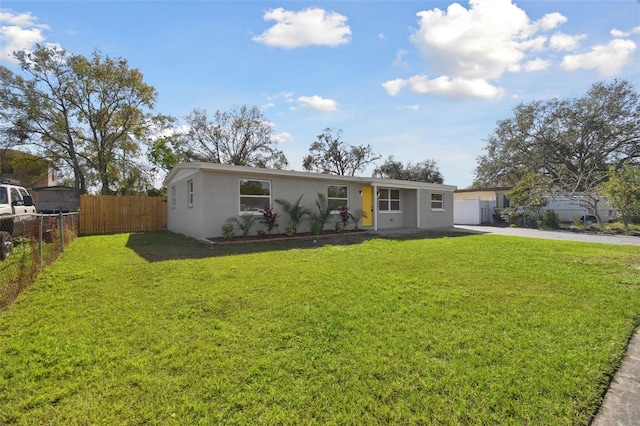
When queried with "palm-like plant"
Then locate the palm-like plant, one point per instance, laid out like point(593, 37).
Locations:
point(244, 222)
point(296, 214)
point(319, 219)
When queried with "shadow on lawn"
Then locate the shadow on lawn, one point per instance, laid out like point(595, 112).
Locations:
point(160, 246)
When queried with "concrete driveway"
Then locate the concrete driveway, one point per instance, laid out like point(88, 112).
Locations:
point(584, 237)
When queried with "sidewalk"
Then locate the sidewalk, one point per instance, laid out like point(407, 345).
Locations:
point(621, 405)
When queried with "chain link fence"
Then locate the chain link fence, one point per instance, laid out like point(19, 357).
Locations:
point(33, 242)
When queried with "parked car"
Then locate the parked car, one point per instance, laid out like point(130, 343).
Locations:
point(17, 211)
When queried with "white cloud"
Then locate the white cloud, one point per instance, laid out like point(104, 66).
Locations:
point(318, 103)
point(409, 107)
point(393, 87)
point(550, 21)
point(619, 33)
point(399, 60)
point(19, 32)
point(469, 48)
point(283, 137)
point(607, 59)
point(481, 42)
point(268, 105)
point(537, 64)
point(312, 26)
point(454, 88)
point(565, 42)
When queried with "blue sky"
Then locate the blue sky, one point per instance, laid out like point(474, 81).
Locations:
point(415, 79)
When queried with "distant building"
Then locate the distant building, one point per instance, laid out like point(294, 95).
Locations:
point(480, 205)
point(55, 199)
point(28, 169)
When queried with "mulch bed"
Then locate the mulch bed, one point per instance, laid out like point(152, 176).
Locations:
point(284, 237)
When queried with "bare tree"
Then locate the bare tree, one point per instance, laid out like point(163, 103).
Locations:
point(331, 155)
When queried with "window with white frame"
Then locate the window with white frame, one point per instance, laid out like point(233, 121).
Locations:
point(173, 197)
point(337, 196)
point(254, 195)
point(388, 200)
point(437, 201)
point(190, 193)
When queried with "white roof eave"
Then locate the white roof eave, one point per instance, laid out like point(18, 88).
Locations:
point(403, 184)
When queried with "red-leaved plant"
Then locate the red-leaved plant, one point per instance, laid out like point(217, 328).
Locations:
point(269, 218)
point(344, 216)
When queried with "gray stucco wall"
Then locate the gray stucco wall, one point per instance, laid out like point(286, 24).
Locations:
point(435, 218)
point(217, 198)
point(181, 218)
point(221, 199)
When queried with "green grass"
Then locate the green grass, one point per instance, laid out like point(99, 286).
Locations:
point(158, 329)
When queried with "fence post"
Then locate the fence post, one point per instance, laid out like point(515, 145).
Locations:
point(40, 240)
point(61, 226)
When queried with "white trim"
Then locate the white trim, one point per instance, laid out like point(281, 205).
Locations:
point(436, 209)
point(190, 191)
point(252, 212)
point(418, 208)
point(375, 207)
point(346, 199)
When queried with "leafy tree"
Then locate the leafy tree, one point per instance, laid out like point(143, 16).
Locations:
point(574, 142)
point(527, 197)
point(242, 137)
point(623, 191)
point(86, 113)
point(424, 171)
point(331, 155)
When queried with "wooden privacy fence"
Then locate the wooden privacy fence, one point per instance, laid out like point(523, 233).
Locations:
point(110, 214)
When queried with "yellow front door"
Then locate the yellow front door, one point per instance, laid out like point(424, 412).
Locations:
point(367, 206)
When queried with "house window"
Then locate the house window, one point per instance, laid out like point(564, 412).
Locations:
point(388, 200)
point(337, 196)
point(437, 201)
point(173, 197)
point(254, 195)
point(190, 193)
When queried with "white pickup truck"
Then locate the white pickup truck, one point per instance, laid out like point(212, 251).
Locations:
point(16, 211)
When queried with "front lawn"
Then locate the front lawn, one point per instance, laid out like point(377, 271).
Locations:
point(158, 329)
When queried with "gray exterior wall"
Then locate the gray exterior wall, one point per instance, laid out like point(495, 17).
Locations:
point(221, 199)
point(217, 199)
point(181, 218)
point(433, 219)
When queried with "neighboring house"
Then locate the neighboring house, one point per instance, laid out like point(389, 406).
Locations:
point(203, 196)
point(30, 170)
point(477, 206)
point(54, 199)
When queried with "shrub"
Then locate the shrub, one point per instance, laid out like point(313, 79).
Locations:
point(319, 219)
point(244, 222)
point(344, 217)
point(550, 219)
point(356, 215)
point(296, 214)
point(269, 218)
point(228, 231)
